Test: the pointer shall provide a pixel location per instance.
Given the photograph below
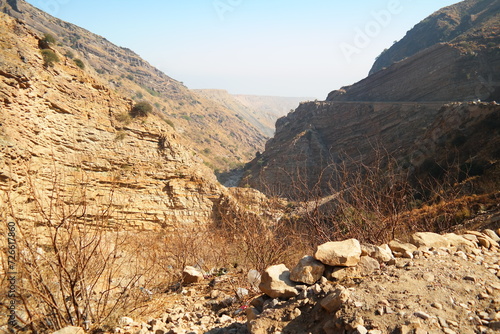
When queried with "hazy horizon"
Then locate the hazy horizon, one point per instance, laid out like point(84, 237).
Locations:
point(278, 48)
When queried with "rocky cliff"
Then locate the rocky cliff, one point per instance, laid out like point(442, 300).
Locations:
point(453, 55)
point(470, 23)
point(401, 110)
point(213, 131)
point(66, 139)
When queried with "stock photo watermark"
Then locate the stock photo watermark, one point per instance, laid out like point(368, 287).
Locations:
point(12, 275)
point(486, 87)
point(222, 7)
point(372, 29)
point(52, 6)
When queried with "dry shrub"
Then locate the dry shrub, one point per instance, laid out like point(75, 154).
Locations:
point(256, 239)
point(378, 201)
point(73, 268)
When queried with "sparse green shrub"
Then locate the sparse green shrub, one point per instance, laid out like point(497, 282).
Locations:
point(79, 63)
point(151, 91)
point(141, 109)
point(46, 41)
point(49, 57)
point(69, 54)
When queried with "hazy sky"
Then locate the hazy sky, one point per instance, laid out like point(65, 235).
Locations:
point(263, 47)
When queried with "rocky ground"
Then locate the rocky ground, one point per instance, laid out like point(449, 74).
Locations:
point(435, 284)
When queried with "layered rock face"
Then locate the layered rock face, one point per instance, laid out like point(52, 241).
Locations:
point(319, 133)
point(442, 72)
point(63, 142)
point(471, 23)
point(213, 131)
point(415, 111)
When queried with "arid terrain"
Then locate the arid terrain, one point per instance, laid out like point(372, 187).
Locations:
point(132, 204)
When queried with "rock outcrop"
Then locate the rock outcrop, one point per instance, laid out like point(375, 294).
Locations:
point(218, 136)
point(420, 111)
point(65, 137)
point(469, 22)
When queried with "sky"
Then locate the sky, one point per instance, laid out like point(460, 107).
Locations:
point(296, 48)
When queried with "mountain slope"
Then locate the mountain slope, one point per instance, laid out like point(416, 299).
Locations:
point(260, 111)
point(67, 142)
point(471, 23)
point(451, 56)
point(219, 137)
point(393, 111)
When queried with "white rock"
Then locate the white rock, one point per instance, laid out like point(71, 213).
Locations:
point(367, 265)
point(422, 315)
point(125, 321)
point(276, 283)
point(241, 293)
point(491, 234)
point(70, 330)
point(307, 271)
point(382, 253)
point(225, 318)
point(191, 275)
point(345, 253)
point(429, 240)
point(402, 247)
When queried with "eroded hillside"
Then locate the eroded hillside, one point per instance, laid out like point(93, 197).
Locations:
point(220, 138)
point(68, 138)
point(423, 111)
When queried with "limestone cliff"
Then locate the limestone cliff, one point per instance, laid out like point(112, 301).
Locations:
point(453, 55)
point(213, 131)
point(403, 110)
point(65, 140)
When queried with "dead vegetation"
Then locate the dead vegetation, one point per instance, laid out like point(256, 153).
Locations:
point(77, 269)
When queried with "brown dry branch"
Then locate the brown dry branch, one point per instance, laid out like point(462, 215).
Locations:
point(81, 272)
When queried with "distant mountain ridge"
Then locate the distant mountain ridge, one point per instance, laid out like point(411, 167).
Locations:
point(423, 110)
point(470, 23)
point(260, 111)
point(453, 55)
point(220, 138)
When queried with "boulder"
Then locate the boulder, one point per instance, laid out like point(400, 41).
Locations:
point(307, 271)
point(367, 266)
point(492, 235)
point(333, 302)
point(70, 330)
point(276, 283)
point(429, 240)
point(402, 247)
point(382, 254)
point(191, 275)
point(340, 273)
point(339, 253)
point(456, 240)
